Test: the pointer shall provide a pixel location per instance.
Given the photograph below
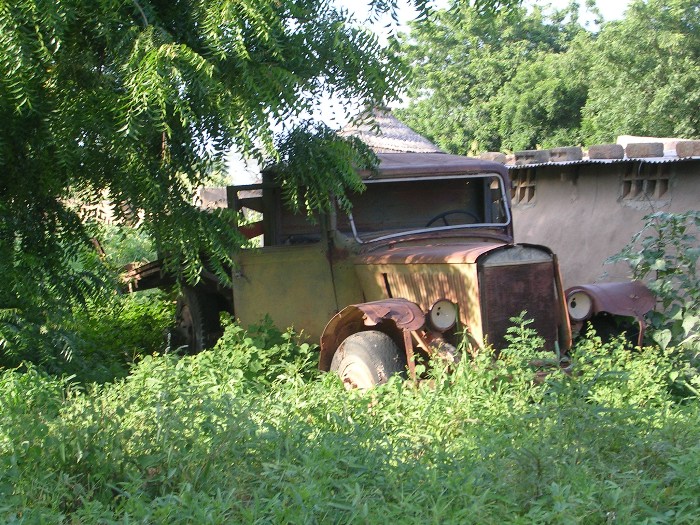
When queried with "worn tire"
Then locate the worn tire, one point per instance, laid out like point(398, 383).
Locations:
point(197, 323)
point(366, 359)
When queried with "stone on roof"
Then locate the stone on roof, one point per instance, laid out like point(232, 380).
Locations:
point(669, 143)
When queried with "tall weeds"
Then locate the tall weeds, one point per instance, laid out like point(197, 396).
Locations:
point(215, 438)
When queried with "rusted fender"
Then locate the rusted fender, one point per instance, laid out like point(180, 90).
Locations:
point(406, 315)
point(629, 299)
point(632, 299)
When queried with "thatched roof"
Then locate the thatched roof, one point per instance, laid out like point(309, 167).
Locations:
point(384, 133)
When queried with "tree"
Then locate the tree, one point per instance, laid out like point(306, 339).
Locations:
point(645, 78)
point(541, 105)
point(139, 98)
point(472, 77)
point(522, 80)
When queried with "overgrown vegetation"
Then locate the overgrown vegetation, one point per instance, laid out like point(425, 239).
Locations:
point(96, 341)
point(96, 335)
point(108, 426)
point(665, 254)
point(138, 102)
point(250, 432)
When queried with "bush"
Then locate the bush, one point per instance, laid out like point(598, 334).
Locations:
point(109, 338)
point(665, 254)
point(77, 324)
point(235, 435)
point(99, 340)
point(264, 354)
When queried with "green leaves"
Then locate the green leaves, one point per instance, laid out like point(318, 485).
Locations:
point(318, 167)
point(497, 82)
point(141, 109)
point(135, 101)
point(660, 64)
point(524, 79)
point(249, 432)
point(665, 254)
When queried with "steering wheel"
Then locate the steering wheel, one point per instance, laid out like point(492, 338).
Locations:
point(445, 214)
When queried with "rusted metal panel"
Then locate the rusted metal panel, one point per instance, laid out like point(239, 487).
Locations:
point(424, 284)
point(406, 164)
point(507, 290)
point(346, 322)
point(463, 253)
point(405, 315)
point(347, 287)
point(565, 335)
point(291, 284)
point(424, 274)
point(250, 231)
point(626, 299)
point(631, 299)
point(372, 281)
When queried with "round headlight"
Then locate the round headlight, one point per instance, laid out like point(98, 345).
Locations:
point(443, 315)
point(580, 305)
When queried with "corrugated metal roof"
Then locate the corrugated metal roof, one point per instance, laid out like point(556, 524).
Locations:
point(650, 160)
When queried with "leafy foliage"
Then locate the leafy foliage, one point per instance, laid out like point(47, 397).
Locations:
point(524, 79)
point(95, 341)
point(212, 439)
point(644, 77)
point(78, 325)
point(139, 98)
point(137, 101)
point(318, 167)
point(265, 355)
point(35, 301)
point(109, 337)
point(665, 253)
point(541, 104)
point(469, 74)
point(124, 244)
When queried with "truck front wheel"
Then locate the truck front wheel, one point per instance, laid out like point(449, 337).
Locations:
point(366, 359)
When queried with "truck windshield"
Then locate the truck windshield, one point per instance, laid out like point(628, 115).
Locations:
point(393, 207)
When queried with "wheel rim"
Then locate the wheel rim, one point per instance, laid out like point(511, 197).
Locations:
point(355, 374)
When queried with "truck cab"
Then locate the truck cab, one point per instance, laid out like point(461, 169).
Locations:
point(426, 255)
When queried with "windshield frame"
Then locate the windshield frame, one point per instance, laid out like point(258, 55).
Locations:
point(487, 175)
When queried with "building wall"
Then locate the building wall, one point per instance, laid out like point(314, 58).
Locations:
point(579, 210)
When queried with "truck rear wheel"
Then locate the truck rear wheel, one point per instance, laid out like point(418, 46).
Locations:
point(366, 359)
point(197, 323)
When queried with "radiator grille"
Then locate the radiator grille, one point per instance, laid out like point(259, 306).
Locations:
point(509, 289)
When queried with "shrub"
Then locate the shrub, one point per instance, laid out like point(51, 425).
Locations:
point(111, 336)
point(264, 354)
point(216, 438)
point(665, 254)
point(78, 325)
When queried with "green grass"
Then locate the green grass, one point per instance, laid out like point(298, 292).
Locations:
point(214, 438)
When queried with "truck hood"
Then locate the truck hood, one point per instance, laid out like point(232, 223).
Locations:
point(432, 254)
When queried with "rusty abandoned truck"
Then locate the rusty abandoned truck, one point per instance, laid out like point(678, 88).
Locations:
point(426, 255)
